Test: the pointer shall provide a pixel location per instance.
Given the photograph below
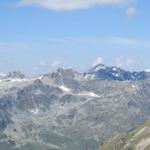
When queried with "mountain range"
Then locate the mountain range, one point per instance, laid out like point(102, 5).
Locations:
point(68, 110)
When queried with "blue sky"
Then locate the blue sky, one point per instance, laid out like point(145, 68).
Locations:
point(38, 36)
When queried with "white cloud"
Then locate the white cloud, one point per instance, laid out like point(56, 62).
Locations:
point(147, 70)
point(124, 62)
point(99, 60)
point(43, 64)
point(78, 42)
point(68, 5)
point(131, 11)
point(56, 63)
point(124, 41)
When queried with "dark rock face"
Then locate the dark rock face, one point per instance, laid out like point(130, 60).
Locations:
point(102, 72)
point(5, 119)
point(5, 108)
point(67, 77)
point(66, 99)
point(36, 95)
point(6, 103)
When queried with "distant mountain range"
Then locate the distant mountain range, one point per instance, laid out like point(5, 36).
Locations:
point(103, 72)
point(67, 110)
point(14, 74)
point(100, 72)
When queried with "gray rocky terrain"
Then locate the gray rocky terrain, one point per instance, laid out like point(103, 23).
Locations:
point(66, 110)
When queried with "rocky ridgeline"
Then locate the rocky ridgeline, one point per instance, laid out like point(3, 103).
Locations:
point(69, 111)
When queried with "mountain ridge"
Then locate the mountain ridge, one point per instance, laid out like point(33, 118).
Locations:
point(81, 113)
point(99, 71)
point(102, 72)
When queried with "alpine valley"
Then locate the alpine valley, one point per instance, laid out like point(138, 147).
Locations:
point(67, 110)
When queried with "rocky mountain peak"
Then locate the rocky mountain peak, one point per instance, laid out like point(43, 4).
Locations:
point(15, 74)
point(102, 72)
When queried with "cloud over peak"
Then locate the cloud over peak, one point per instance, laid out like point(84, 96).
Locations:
point(131, 11)
point(98, 61)
point(69, 5)
point(124, 62)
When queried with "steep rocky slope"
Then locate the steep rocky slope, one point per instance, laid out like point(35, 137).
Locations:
point(136, 139)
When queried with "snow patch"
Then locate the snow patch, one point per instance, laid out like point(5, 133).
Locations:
point(38, 92)
point(65, 88)
point(92, 76)
point(114, 69)
point(17, 80)
point(41, 77)
point(87, 76)
point(34, 111)
point(117, 74)
point(91, 94)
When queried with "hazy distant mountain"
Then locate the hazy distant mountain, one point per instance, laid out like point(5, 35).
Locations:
point(65, 110)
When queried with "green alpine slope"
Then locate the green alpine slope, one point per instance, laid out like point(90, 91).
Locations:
point(136, 139)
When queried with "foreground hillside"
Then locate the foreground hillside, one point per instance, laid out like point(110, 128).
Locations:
point(66, 110)
point(137, 139)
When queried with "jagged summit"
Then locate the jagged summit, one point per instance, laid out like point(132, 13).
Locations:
point(99, 72)
point(99, 67)
point(103, 72)
point(15, 74)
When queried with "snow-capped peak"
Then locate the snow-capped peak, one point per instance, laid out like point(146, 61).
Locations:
point(99, 67)
point(103, 72)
